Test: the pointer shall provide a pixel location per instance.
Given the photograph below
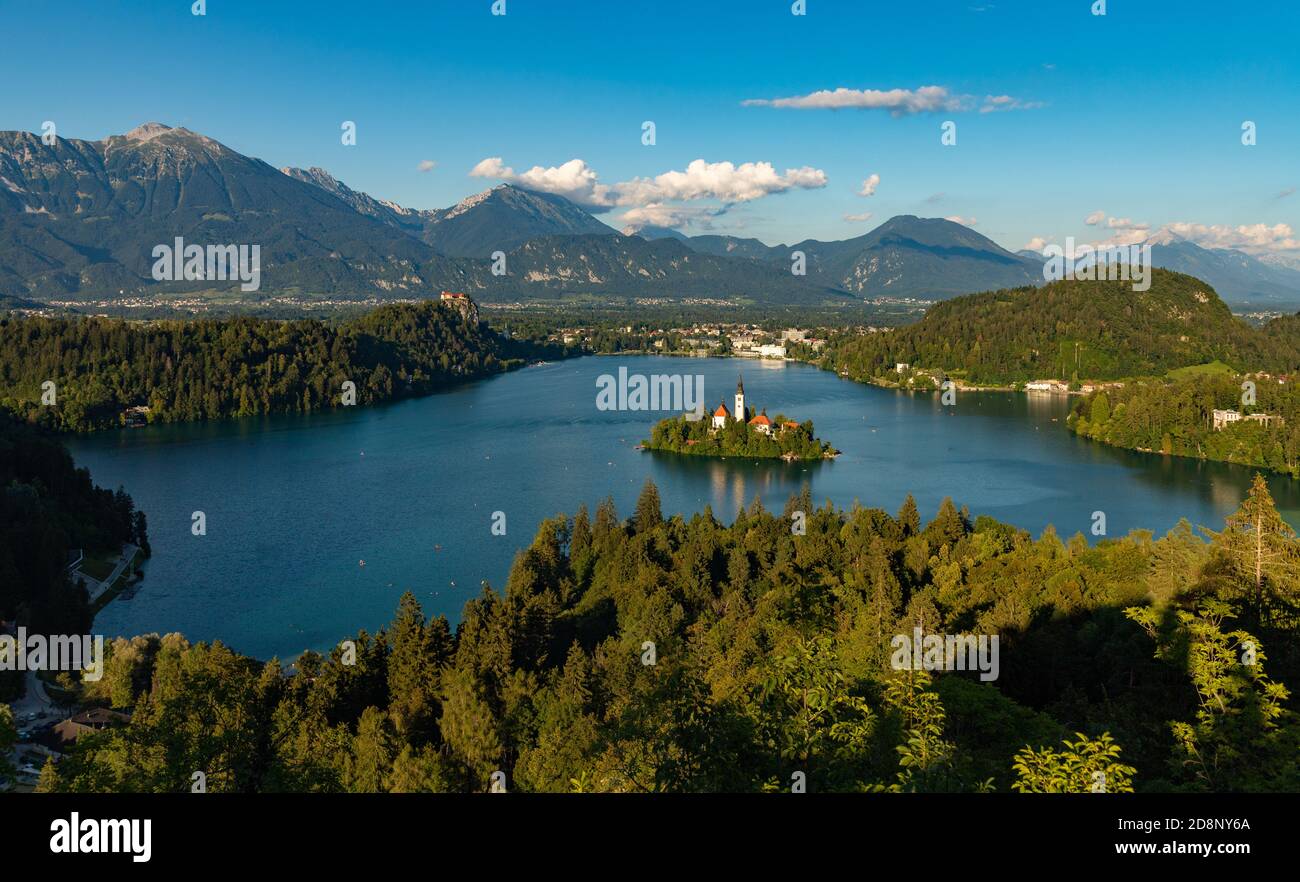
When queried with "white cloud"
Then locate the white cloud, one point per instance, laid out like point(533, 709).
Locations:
point(1134, 236)
point(673, 216)
point(574, 180)
point(723, 181)
point(1126, 230)
point(858, 218)
point(964, 221)
point(1000, 103)
point(426, 165)
point(1251, 238)
point(869, 186)
point(1038, 243)
point(1124, 223)
point(899, 102)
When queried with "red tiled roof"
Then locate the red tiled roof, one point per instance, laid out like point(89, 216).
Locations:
point(760, 420)
point(722, 411)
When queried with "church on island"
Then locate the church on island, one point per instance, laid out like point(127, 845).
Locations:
point(759, 422)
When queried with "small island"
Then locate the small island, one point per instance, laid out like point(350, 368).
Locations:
point(739, 433)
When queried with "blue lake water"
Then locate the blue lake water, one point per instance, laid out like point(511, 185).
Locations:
point(294, 504)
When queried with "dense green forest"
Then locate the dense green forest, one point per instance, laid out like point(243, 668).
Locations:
point(211, 369)
point(48, 507)
point(736, 438)
point(1175, 416)
point(683, 654)
point(1071, 330)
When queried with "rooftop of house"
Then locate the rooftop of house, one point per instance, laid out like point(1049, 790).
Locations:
point(98, 716)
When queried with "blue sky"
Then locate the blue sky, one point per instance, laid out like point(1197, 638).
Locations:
point(1136, 114)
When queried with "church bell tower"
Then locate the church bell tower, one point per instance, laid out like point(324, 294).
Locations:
point(740, 399)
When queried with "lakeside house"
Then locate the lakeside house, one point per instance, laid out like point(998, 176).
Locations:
point(135, 417)
point(87, 722)
point(1054, 386)
point(1089, 388)
point(1224, 418)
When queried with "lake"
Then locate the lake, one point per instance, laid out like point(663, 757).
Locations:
point(295, 504)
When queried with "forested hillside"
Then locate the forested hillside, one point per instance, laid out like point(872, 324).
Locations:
point(1070, 329)
point(48, 507)
point(681, 654)
point(215, 368)
point(1176, 416)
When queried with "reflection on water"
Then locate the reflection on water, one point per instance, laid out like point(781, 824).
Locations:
point(735, 482)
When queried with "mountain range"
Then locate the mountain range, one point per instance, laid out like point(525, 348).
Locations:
point(906, 256)
point(80, 219)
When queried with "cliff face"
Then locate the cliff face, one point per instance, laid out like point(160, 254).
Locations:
point(464, 305)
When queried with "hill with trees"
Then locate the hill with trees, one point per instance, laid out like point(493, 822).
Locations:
point(217, 368)
point(1175, 416)
point(677, 654)
point(1072, 330)
point(48, 509)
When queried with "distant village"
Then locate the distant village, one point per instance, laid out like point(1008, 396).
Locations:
point(709, 339)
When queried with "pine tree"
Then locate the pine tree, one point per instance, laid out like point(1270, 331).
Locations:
point(49, 781)
point(469, 726)
point(648, 515)
point(580, 541)
point(411, 675)
point(948, 525)
point(372, 755)
point(909, 517)
point(1261, 552)
point(606, 519)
